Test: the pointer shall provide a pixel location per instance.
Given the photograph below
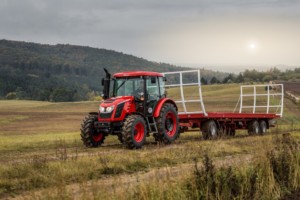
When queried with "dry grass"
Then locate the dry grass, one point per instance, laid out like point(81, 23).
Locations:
point(41, 154)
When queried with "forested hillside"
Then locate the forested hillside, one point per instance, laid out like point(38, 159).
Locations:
point(72, 73)
point(61, 72)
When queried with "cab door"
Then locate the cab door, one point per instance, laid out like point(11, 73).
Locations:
point(152, 94)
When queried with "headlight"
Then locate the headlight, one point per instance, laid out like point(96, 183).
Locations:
point(109, 109)
point(102, 109)
point(106, 109)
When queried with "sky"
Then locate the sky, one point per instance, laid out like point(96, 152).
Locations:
point(225, 35)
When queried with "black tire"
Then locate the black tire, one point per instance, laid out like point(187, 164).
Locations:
point(210, 130)
point(167, 124)
point(134, 132)
point(253, 127)
point(89, 135)
point(230, 131)
point(262, 127)
point(120, 138)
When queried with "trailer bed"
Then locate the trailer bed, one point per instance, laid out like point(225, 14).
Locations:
point(224, 115)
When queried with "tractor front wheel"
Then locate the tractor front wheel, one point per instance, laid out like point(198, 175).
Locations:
point(134, 132)
point(167, 125)
point(89, 135)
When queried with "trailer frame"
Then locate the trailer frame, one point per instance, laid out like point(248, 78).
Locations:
point(228, 122)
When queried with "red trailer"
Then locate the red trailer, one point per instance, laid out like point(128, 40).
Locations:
point(259, 105)
point(139, 105)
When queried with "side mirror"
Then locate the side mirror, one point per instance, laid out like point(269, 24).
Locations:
point(164, 79)
point(102, 81)
point(153, 80)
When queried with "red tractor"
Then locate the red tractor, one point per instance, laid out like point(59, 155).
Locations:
point(134, 107)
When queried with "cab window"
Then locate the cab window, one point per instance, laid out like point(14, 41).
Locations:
point(152, 88)
point(162, 87)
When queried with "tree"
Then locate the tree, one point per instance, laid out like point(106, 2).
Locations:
point(62, 95)
point(239, 78)
point(229, 79)
point(20, 93)
point(11, 95)
point(214, 80)
point(267, 78)
point(203, 81)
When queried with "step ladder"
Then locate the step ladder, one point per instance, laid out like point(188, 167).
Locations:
point(151, 125)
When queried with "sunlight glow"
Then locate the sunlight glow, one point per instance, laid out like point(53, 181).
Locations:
point(252, 46)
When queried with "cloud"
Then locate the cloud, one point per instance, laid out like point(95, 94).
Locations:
point(146, 28)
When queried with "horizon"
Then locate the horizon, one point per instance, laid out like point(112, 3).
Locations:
point(235, 69)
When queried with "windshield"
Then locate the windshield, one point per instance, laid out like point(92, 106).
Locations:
point(128, 87)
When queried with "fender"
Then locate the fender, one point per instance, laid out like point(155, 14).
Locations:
point(160, 104)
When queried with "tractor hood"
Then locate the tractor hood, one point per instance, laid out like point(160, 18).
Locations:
point(112, 109)
point(114, 101)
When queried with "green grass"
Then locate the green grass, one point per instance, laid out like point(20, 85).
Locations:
point(67, 166)
point(35, 141)
point(4, 120)
point(41, 106)
point(42, 156)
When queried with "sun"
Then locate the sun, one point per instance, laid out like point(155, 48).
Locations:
point(252, 46)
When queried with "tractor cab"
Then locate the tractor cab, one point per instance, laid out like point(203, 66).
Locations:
point(145, 88)
point(134, 106)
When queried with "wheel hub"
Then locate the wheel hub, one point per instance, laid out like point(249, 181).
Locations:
point(213, 131)
point(97, 136)
point(169, 124)
point(138, 132)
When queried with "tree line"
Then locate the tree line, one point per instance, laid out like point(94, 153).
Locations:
point(73, 73)
point(253, 75)
point(62, 72)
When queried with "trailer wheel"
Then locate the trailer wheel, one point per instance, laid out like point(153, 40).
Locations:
point(230, 131)
point(210, 130)
point(253, 127)
point(134, 132)
point(167, 125)
point(262, 127)
point(89, 135)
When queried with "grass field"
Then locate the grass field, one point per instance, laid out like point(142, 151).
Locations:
point(42, 157)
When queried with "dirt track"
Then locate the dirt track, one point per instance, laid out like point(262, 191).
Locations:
point(123, 182)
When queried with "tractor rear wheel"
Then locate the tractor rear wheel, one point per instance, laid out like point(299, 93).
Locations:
point(120, 138)
point(210, 130)
point(253, 128)
point(89, 135)
point(134, 132)
point(167, 125)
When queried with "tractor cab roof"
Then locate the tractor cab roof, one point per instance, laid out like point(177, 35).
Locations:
point(136, 74)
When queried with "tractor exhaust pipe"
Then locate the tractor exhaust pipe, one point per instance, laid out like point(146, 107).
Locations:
point(106, 84)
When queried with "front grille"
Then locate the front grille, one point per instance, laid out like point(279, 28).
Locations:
point(102, 124)
point(105, 115)
point(119, 110)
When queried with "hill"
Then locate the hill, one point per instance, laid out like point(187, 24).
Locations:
point(64, 72)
